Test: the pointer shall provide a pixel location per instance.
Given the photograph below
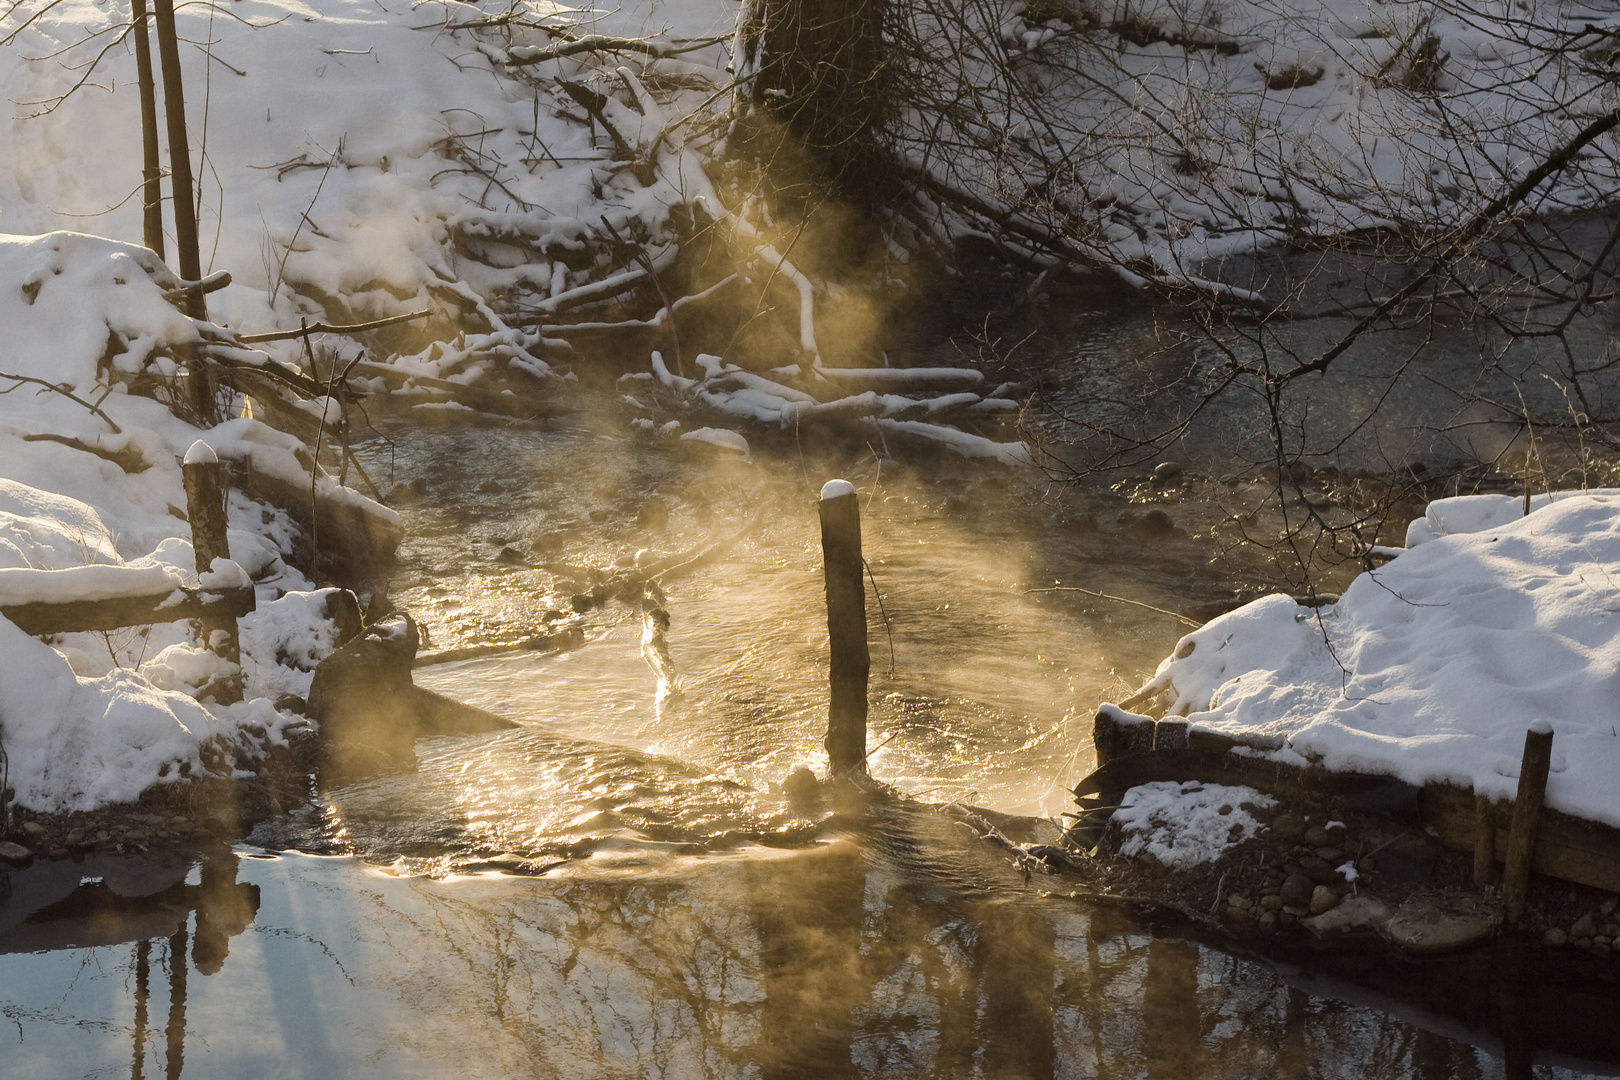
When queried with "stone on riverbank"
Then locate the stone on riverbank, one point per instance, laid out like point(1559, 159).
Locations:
point(1434, 924)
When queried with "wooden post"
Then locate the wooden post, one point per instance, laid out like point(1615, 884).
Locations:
point(1526, 809)
point(151, 168)
point(846, 627)
point(183, 191)
point(1484, 842)
point(205, 506)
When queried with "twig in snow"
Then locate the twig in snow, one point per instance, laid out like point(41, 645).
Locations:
point(70, 395)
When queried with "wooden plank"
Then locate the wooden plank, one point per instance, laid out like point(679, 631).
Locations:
point(81, 615)
point(1568, 848)
point(363, 543)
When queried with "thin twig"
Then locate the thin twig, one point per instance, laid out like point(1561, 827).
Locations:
point(1117, 599)
point(328, 328)
point(70, 395)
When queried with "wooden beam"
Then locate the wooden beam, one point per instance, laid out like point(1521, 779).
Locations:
point(80, 615)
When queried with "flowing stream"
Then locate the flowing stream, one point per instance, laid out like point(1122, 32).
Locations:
point(613, 888)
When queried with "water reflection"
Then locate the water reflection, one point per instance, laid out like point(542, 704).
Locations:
point(106, 901)
point(897, 949)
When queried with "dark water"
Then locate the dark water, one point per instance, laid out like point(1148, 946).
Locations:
point(665, 914)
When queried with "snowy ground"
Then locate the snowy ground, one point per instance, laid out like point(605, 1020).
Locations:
point(91, 719)
point(1432, 667)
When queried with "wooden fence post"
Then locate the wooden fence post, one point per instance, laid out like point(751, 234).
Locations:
point(205, 507)
point(1484, 842)
point(1533, 769)
point(846, 627)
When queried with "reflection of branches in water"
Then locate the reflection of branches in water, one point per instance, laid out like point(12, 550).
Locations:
point(296, 935)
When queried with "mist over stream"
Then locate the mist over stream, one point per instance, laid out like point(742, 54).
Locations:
point(613, 888)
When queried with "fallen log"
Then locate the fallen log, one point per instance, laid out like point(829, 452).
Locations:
point(170, 605)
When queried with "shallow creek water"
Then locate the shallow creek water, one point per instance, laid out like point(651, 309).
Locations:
point(688, 922)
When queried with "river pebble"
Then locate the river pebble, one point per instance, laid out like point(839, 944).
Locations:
point(1323, 899)
point(1296, 891)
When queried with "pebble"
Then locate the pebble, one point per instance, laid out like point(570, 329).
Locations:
point(103, 836)
point(1330, 854)
point(1239, 901)
point(33, 828)
point(74, 838)
point(15, 854)
point(1296, 891)
point(1608, 906)
point(1317, 836)
point(1319, 870)
point(1601, 939)
point(1585, 927)
point(1323, 899)
point(1611, 930)
point(1555, 936)
point(1268, 919)
point(60, 853)
point(1288, 826)
point(1425, 925)
point(1272, 902)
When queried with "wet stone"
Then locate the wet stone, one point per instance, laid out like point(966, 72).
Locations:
point(1167, 473)
point(1154, 524)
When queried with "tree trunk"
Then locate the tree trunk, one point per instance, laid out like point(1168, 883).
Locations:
point(817, 67)
point(151, 169)
point(202, 389)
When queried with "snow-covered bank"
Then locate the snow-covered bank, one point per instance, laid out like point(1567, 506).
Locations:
point(1431, 668)
point(91, 505)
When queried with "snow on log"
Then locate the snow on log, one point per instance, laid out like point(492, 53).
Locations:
point(1428, 669)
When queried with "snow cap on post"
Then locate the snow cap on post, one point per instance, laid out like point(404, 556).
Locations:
point(832, 489)
point(200, 454)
